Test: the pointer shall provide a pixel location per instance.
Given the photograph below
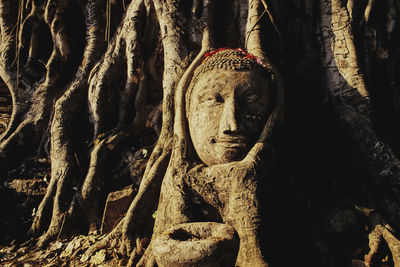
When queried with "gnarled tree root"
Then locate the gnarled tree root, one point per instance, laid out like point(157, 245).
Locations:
point(382, 232)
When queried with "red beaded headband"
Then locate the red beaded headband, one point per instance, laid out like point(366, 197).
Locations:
point(244, 54)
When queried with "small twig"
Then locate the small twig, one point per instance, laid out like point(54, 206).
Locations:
point(62, 225)
point(17, 33)
point(108, 21)
point(271, 18)
point(77, 162)
point(252, 28)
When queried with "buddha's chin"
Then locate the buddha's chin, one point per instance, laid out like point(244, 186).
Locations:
point(229, 154)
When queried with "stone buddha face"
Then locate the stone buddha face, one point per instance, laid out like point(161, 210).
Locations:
point(227, 111)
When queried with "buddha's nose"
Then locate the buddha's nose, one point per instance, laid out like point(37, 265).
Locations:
point(228, 123)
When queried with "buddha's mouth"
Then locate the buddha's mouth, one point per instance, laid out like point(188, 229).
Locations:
point(230, 142)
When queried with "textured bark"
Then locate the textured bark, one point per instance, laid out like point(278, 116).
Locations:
point(65, 163)
point(34, 101)
point(351, 99)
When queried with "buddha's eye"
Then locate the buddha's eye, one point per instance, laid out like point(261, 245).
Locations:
point(219, 98)
point(251, 99)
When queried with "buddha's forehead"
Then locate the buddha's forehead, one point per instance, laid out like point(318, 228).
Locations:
point(229, 81)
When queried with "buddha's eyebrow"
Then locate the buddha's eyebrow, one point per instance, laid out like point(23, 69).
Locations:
point(251, 88)
point(246, 84)
point(206, 90)
point(202, 93)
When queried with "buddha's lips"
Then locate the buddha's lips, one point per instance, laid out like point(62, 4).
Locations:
point(231, 142)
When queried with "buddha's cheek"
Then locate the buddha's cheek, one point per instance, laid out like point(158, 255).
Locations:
point(204, 124)
point(203, 130)
point(253, 131)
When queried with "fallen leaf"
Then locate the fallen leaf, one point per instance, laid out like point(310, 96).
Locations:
point(364, 210)
point(145, 153)
point(99, 257)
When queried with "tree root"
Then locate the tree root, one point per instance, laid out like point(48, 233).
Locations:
point(93, 184)
point(66, 171)
point(111, 239)
point(104, 146)
point(126, 235)
point(382, 232)
point(37, 109)
point(351, 100)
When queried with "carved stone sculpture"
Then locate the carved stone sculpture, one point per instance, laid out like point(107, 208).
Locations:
point(227, 105)
point(215, 165)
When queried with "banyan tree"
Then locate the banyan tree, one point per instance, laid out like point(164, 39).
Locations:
point(259, 129)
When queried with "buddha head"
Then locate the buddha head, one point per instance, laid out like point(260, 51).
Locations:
point(227, 104)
